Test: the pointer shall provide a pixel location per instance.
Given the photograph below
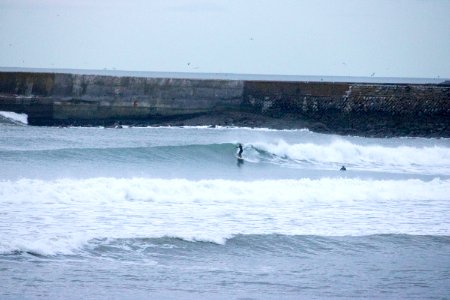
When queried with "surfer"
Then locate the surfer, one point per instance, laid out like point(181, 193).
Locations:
point(343, 168)
point(240, 150)
point(240, 160)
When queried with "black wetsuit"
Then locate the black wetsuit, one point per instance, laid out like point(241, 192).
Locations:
point(240, 150)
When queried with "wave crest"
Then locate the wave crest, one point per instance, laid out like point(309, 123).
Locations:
point(425, 160)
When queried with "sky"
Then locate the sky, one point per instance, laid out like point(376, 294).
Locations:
point(378, 38)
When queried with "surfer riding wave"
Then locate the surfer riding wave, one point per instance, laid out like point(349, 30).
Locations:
point(239, 154)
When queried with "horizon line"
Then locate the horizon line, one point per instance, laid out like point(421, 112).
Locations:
point(229, 76)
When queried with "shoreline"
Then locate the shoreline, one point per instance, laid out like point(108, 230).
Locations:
point(245, 120)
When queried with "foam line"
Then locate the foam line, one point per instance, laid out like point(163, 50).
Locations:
point(61, 216)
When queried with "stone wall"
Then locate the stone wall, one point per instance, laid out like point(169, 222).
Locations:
point(355, 108)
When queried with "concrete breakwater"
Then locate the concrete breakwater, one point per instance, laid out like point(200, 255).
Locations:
point(371, 109)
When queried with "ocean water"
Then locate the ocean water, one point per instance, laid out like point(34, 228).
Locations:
point(169, 213)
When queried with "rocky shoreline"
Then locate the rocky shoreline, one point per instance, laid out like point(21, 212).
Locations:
point(249, 120)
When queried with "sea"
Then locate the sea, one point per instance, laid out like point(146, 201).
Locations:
point(170, 213)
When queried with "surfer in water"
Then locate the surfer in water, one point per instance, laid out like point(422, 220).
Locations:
point(240, 150)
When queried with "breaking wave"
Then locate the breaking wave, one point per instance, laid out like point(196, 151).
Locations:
point(13, 118)
point(425, 160)
point(63, 216)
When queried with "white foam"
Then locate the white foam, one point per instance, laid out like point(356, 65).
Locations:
point(424, 160)
point(15, 117)
point(263, 129)
point(52, 217)
point(219, 127)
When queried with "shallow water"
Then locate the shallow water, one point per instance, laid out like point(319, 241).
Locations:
point(169, 213)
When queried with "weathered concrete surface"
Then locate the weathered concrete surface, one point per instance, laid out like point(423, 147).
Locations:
point(347, 108)
point(89, 98)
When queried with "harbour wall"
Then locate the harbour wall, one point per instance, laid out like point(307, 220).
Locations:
point(373, 109)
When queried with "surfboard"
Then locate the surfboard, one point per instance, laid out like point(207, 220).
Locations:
point(239, 158)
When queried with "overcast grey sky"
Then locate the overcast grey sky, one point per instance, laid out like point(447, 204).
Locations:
point(386, 38)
